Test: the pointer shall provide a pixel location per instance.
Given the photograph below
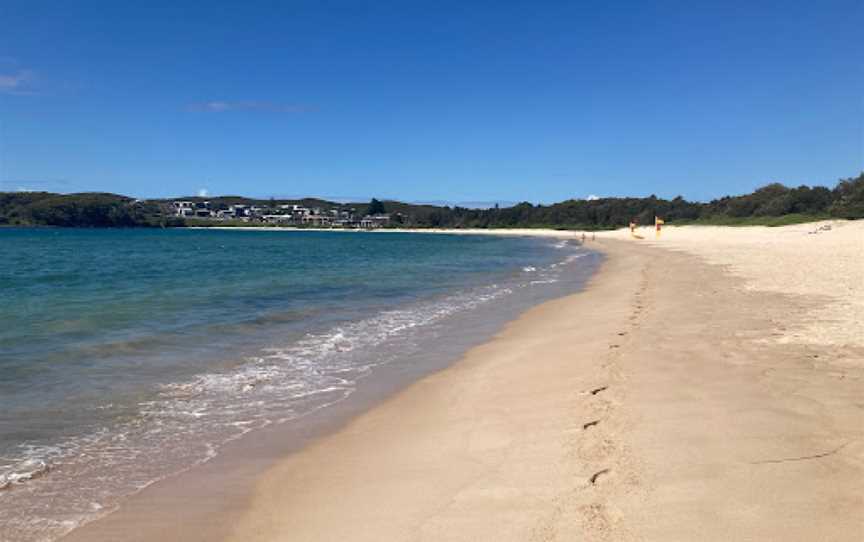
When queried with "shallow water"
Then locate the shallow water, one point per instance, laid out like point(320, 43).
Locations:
point(129, 355)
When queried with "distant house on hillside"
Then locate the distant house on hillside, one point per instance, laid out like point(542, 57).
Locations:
point(198, 209)
point(371, 222)
point(278, 219)
point(239, 211)
point(297, 211)
point(184, 208)
point(234, 211)
point(202, 209)
point(317, 220)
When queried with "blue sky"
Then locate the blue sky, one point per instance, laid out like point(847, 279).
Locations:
point(456, 101)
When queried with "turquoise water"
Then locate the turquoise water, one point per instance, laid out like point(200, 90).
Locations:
point(126, 355)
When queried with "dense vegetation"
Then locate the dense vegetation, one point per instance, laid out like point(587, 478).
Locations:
point(774, 204)
point(88, 210)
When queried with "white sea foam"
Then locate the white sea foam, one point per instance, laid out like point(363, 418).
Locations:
point(22, 471)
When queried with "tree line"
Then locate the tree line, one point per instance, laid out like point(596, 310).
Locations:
point(770, 204)
point(91, 210)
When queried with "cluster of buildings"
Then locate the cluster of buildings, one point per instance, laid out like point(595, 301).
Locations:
point(284, 215)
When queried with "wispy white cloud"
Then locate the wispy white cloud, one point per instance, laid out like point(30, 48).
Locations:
point(203, 193)
point(592, 197)
point(219, 106)
point(19, 82)
point(28, 185)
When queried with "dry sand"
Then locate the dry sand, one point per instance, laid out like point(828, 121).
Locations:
point(712, 392)
point(816, 259)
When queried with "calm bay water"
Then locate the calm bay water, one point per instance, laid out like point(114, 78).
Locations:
point(128, 355)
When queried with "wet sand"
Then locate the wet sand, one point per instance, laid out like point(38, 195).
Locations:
point(674, 399)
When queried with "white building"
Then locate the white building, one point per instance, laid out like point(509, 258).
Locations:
point(374, 221)
point(278, 219)
point(239, 210)
point(184, 208)
point(317, 220)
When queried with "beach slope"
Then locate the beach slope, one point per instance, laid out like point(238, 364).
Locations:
point(674, 399)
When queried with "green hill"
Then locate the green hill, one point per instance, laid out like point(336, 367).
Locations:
point(773, 204)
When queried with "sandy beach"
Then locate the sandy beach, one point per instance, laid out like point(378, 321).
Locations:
point(670, 401)
point(706, 385)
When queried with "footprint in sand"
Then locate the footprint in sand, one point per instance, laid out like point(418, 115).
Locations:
point(596, 476)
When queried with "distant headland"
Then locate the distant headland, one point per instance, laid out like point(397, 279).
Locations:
point(774, 204)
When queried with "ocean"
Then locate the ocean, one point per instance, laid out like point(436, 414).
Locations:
point(130, 355)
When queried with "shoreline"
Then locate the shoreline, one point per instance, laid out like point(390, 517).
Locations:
point(517, 232)
point(227, 474)
point(670, 400)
